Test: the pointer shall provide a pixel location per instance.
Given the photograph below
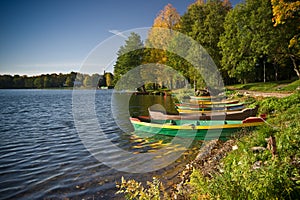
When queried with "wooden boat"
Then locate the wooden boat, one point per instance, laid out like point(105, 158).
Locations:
point(206, 98)
point(205, 111)
point(234, 115)
point(195, 128)
point(200, 102)
point(210, 107)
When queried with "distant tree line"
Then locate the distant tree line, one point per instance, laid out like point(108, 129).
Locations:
point(56, 81)
point(257, 40)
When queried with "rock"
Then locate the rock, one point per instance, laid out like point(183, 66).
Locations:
point(246, 93)
point(258, 149)
point(256, 165)
point(235, 147)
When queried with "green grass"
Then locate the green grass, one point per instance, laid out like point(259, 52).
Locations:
point(292, 86)
point(276, 177)
point(285, 86)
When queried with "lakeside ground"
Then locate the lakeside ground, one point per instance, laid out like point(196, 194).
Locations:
point(260, 164)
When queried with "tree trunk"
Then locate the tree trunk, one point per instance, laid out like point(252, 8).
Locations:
point(295, 66)
point(272, 146)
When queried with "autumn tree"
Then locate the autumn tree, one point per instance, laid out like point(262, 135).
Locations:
point(287, 15)
point(109, 78)
point(69, 82)
point(168, 19)
point(87, 82)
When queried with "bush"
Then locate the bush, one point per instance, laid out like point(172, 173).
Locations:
point(134, 190)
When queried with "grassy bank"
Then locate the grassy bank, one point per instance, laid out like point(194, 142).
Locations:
point(264, 174)
point(254, 169)
point(284, 86)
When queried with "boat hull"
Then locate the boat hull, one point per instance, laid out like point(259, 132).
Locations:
point(205, 98)
point(235, 106)
point(237, 115)
point(194, 129)
point(200, 102)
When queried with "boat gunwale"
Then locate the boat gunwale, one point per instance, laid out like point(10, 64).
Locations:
point(197, 127)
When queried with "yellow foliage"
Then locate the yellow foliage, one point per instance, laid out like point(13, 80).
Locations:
point(293, 42)
point(168, 19)
point(284, 10)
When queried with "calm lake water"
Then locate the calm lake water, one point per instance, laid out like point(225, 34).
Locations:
point(43, 157)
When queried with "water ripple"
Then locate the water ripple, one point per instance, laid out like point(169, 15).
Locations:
point(42, 156)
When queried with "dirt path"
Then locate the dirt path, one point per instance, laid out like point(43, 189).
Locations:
point(264, 94)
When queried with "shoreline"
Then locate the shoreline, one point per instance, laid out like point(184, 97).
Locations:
point(207, 162)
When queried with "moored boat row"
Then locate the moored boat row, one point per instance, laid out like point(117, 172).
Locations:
point(202, 117)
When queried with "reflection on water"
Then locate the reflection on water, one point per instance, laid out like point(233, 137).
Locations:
point(139, 104)
point(42, 156)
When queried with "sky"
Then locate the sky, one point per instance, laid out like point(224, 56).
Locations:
point(56, 36)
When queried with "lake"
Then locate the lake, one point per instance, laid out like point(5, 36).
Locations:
point(42, 155)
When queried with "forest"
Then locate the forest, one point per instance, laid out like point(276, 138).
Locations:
point(45, 81)
point(255, 41)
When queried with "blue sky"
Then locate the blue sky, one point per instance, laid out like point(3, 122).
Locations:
point(53, 36)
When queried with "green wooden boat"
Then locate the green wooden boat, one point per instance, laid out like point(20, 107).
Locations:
point(235, 106)
point(231, 115)
point(200, 102)
point(206, 98)
point(199, 129)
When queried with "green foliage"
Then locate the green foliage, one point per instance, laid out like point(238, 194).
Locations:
point(292, 87)
point(246, 174)
point(274, 105)
point(251, 43)
point(38, 82)
point(204, 23)
point(129, 56)
point(69, 82)
point(54, 80)
point(134, 190)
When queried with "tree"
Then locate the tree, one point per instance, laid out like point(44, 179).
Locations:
point(87, 82)
point(95, 80)
point(70, 79)
point(129, 56)
point(167, 18)
point(28, 82)
point(109, 79)
point(69, 82)
point(18, 82)
point(47, 81)
point(38, 82)
point(287, 14)
point(204, 23)
point(6, 81)
point(158, 39)
point(249, 40)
